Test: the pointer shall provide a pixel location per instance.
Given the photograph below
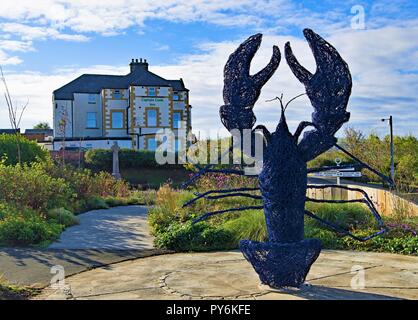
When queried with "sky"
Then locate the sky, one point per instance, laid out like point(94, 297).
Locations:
point(45, 44)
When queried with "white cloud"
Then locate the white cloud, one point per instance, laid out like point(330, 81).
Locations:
point(383, 60)
point(28, 33)
point(6, 59)
point(15, 45)
point(385, 80)
point(113, 16)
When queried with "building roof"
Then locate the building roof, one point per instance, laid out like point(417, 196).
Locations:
point(177, 85)
point(9, 131)
point(48, 132)
point(94, 83)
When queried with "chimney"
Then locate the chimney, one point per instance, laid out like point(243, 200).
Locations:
point(138, 65)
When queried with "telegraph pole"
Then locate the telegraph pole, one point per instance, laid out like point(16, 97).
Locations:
point(392, 158)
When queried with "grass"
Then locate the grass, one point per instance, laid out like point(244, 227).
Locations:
point(346, 215)
point(170, 223)
point(14, 292)
point(250, 225)
point(153, 178)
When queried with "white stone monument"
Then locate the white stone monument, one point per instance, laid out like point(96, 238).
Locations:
point(116, 172)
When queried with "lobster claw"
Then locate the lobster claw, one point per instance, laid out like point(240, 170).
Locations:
point(241, 90)
point(329, 88)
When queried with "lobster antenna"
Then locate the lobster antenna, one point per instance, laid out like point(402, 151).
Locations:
point(294, 98)
point(281, 101)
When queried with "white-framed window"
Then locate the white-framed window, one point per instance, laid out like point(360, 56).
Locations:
point(117, 94)
point(152, 91)
point(177, 115)
point(152, 117)
point(91, 120)
point(117, 118)
point(92, 98)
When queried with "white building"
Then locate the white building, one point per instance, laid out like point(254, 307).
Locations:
point(92, 111)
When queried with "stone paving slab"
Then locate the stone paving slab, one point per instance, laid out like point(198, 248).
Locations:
point(227, 275)
point(117, 228)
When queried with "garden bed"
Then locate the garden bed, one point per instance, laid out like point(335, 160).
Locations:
point(39, 198)
point(172, 226)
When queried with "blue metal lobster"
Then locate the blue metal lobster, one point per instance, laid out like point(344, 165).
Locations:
point(285, 259)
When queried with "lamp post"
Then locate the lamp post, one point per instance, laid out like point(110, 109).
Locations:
point(392, 159)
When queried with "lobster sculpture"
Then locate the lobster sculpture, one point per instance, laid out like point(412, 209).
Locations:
point(285, 259)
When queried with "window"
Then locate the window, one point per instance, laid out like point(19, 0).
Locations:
point(151, 117)
point(91, 120)
point(177, 115)
point(151, 144)
point(152, 91)
point(92, 98)
point(117, 94)
point(176, 96)
point(117, 119)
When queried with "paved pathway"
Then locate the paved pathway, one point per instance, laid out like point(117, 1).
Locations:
point(118, 228)
point(226, 275)
point(102, 237)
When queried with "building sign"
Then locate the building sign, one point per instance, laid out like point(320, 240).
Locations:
point(339, 173)
point(343, 174)
point(152, 99)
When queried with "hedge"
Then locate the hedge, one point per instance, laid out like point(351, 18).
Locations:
point(30, 151)
point(101, 159)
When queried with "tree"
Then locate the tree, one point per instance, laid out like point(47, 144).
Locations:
point(372, 149)
point(42, 125)
point(15, 114)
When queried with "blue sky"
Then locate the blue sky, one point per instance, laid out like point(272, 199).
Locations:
point(47, 43)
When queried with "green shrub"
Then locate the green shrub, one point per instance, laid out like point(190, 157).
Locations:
point(164, 213)
point(115, 201)
point(328, 159)
point(101, 159)
point(62, 216)
point(250, 225)
point(329, 239)
point(86, 184)
point(147, 197)
point(50, 193)
point(194, 237)
point(20, 227)
point(171, 225)
point(401, 244)
point(30, 151)
point(31, 186)
point(346, 215)
point(213, 181)
point(96, 203)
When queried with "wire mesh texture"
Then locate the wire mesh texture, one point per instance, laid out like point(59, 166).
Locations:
point(285, 259)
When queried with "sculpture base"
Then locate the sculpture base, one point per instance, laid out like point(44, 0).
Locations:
point(304, 287)
point(281, 264)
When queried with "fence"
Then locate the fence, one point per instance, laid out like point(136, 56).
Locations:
point(385, 201)
point(75, 158)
